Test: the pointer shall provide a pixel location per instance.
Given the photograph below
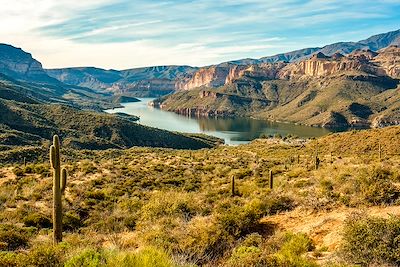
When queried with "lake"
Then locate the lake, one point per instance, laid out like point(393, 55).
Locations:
point(233, 130)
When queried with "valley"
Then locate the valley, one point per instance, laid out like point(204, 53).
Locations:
point(235, 164)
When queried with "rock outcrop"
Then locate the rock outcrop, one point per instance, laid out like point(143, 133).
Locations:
point(19, 64)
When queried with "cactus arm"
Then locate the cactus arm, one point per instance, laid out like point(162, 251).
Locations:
point(63, 180)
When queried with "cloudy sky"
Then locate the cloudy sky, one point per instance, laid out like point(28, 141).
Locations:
point(123, 34)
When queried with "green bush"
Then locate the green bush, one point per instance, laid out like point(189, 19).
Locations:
point(87, 258)
point(42, 256)
point(147, 257)
point(71, 221)
point(372, 240)
point(37, 220)
point(377, 188)
point(292, 250)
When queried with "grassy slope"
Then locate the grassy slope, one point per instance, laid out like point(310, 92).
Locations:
point(180, 201)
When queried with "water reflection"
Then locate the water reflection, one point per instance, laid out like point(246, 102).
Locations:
point(232, 130)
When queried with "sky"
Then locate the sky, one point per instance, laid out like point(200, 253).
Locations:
point(122, 34)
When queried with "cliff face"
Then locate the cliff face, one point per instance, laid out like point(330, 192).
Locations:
point(217, 76)
point(18, 64)
point(321, 65)
point(389, 61)
point(213, 76)
point(382, 63)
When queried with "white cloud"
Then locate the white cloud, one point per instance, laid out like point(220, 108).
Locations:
point(164, 32)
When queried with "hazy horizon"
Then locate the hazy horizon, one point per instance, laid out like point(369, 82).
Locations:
point(122, 34)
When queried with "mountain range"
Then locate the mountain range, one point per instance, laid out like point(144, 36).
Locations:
point(161, 80)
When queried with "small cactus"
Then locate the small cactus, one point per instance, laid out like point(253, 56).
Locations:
point(59, 184)
point(316, 160)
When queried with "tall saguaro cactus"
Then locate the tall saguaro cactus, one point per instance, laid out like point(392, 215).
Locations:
point(59, 184)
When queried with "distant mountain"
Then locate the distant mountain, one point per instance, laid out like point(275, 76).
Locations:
point(162, 80)
point(141, 82)
point(373, 43)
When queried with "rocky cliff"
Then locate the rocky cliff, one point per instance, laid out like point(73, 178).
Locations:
point(358, 89)
point(19, 64)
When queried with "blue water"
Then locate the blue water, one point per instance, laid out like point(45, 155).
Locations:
point(233, 130)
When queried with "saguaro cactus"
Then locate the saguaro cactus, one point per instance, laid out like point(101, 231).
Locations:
point(271, 180)
point(59, 184)
point(316, 160)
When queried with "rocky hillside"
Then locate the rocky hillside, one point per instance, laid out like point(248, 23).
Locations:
point(20, 72)
point(358, 89)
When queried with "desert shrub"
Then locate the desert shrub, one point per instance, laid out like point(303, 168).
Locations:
point(42, 256)
point(87, 258)
point(276, 203)
point(247, 256)
point(377, 187)
point(292, 249)
point(18, 172)
point(169, 204)
point(71, 221)
point(96, 194)
point(146, 257)
point(9, 259)
point(371, 240)
point(240, 220)
point(37, 220)
point(13, 237)
point(42, 169)
point(249, 253)
point(87, 167)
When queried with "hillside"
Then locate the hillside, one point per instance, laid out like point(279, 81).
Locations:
point(163, 207)
point(32, 124)
point(20, 72)
point(360, 89)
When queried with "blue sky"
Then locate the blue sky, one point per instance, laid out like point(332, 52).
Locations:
point(123, 34)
